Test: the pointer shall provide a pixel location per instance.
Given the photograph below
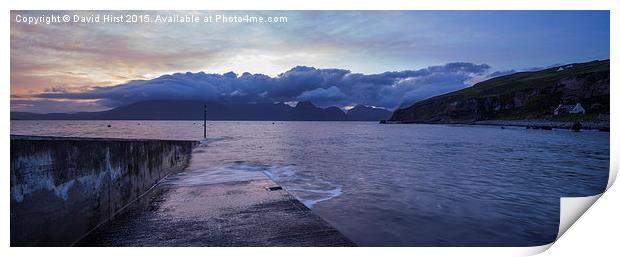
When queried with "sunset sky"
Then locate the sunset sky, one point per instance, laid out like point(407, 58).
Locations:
point(341, 57)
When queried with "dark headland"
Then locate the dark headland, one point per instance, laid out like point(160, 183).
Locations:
point(549, 98)
point(193, 110)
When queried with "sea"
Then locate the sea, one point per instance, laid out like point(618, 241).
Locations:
point(396, 184)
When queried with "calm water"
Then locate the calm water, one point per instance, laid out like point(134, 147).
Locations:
point(397, 185)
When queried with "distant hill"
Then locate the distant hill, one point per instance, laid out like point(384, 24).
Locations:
point(193, 110)
point(523, 95)
point(362, 112)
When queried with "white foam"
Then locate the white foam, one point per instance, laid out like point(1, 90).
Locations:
point(308, 189)
point(217, 175)
point(206, 141)
point(310, 202)
point(203, 143)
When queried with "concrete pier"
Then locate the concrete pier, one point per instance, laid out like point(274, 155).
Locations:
point(195, 208)
point(63, 188)
point(121, 192)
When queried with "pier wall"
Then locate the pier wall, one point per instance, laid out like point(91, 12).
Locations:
point(62, 188)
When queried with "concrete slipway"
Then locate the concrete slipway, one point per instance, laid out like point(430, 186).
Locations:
point(196, 208)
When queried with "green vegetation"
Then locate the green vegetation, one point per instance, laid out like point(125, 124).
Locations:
point(528, 80)
point(522, 95)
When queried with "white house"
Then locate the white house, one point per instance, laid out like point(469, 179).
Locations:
point(568, 108)
point(564, 67)
point(578, 109)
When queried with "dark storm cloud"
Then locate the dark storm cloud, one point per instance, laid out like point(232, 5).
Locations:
point(324, 96)
point(322, 86)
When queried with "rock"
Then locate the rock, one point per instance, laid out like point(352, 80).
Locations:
point(531, 95)
point(576, 126)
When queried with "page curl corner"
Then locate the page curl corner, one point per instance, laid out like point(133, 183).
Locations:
point(571, 208)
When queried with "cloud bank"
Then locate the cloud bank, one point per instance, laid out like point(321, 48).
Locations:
point(79, 57)
point(324, 87)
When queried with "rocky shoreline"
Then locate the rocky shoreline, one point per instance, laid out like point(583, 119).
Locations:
point(602, 125)
point(528, 99)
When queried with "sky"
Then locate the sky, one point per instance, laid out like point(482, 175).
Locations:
point(333, 58)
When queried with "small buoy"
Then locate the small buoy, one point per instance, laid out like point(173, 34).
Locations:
point(109, 126)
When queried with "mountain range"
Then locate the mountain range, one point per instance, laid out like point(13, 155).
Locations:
point(194, 110)
point(518, 96)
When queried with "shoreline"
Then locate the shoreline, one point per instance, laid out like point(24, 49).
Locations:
point(541, 123)
point(528, 123)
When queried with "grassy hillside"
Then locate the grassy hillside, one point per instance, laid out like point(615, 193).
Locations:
point(529, 80)
point(518, 96)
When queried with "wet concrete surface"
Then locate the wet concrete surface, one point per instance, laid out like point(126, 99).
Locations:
point(229, 211)
point(63, 187)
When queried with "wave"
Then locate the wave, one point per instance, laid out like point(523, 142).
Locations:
point(307, 188)
point(206, 141)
